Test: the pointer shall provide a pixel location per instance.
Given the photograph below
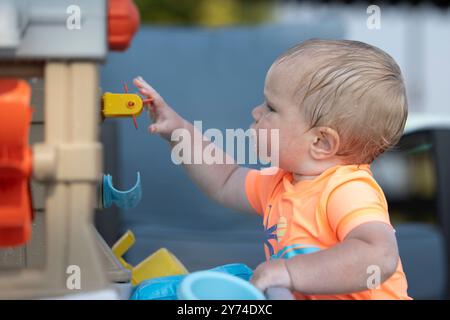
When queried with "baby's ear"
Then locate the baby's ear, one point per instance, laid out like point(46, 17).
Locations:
point(325, 143)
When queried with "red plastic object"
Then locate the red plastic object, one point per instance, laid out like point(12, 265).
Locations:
point(15, 162)
point(123, 22)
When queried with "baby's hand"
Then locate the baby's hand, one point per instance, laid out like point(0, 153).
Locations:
point(165, 119)
point(272, 273)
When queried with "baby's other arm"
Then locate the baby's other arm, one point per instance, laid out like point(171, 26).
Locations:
point(342, 269)
point(346, 267)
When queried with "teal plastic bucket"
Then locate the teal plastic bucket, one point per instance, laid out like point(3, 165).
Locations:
point(211, 285)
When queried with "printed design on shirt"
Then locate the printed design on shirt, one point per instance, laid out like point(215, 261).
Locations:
point(293, 250)
point(281, 228)
point(270, 233)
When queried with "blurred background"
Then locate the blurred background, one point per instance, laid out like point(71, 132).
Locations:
point(208, 59)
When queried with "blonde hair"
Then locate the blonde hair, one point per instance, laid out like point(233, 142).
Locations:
point(355, 89)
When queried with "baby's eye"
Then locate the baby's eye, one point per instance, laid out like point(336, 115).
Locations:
point(270, 108)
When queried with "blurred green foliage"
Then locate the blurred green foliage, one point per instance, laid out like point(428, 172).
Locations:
point(212, 13)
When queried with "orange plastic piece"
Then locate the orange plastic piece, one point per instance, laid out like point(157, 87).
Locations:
point(123, 22)
point(15, 162)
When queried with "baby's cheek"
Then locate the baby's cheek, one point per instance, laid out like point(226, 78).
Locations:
point(261, 144)
point(287, 148)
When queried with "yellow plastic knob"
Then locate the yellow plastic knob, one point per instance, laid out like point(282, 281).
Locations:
point(121, 105)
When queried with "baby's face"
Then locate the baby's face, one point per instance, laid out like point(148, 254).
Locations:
point(281, 111)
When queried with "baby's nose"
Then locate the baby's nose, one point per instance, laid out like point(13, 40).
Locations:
point(256, 113)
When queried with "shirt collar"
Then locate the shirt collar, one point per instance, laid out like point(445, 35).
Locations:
point(290, 185)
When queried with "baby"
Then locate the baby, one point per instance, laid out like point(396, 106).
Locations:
point(337, 105)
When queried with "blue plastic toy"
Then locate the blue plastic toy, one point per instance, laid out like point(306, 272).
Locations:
point(213, 285)
point(166, 288)
point(123, 199)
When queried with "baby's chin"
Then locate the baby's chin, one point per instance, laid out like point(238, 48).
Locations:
point(263, 158)
point(263, 152)
point(267, 159)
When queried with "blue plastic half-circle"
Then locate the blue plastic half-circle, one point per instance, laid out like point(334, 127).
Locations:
point(122, 199)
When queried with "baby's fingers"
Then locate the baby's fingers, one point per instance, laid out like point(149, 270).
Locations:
point(146, 89)
point(153, 128)
point(151, 112)
point(157, 127)
point(160, 127)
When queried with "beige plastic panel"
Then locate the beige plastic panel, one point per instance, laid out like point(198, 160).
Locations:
point(63, 234)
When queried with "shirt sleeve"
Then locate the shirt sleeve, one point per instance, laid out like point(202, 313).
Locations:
point(354, 203)
point(259, 185)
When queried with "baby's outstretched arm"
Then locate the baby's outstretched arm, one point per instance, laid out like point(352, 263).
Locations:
point(224, 183)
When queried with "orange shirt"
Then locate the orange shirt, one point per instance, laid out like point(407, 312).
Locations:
point(312, 215)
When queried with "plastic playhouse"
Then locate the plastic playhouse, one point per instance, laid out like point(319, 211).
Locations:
point(51, 110)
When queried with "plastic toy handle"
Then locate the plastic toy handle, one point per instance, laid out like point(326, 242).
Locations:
point(124, 243)
point(278, 293)
point(121, 247)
